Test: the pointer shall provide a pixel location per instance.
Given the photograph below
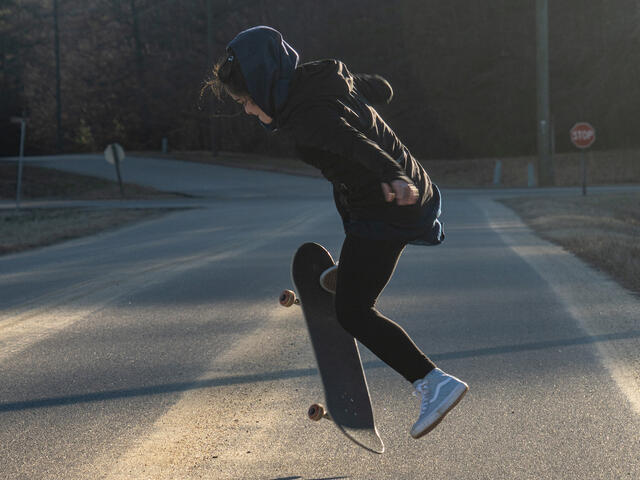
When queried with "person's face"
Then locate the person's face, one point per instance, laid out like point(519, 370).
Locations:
point(251, 108)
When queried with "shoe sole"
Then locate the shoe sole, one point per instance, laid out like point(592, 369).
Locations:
point(437, 422)
point(328, 280)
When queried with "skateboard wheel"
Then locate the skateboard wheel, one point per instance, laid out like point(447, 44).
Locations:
point(288, 298)
point(316, 412)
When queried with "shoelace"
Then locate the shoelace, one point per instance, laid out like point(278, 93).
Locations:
point(423, 390)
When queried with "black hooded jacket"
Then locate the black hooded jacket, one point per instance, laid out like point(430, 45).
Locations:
point(329, 113)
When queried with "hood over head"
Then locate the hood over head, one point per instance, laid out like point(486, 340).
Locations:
point(267, 63)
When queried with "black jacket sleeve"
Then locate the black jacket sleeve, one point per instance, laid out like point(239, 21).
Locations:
point(322, 128)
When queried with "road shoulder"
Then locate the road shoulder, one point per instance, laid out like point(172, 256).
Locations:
point(607, 312)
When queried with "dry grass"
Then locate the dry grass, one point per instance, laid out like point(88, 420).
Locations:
point(603, 168)
point(34, 228)
point(603, 230)
point(39, 182)
point(29, 229)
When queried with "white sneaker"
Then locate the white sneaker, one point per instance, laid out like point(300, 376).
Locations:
point(329, 278)
point(440, 393)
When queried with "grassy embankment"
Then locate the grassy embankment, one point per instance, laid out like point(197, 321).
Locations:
point(603, 230)
point(30, 228)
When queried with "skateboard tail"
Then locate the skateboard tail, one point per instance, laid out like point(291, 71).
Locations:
point(356, 424)
point(368, 440)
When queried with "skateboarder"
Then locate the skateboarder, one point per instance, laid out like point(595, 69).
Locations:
point(384, 196)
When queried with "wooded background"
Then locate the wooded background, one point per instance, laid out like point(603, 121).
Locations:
point(130, 71)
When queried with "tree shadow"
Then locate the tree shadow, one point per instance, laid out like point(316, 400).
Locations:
point(293, 373)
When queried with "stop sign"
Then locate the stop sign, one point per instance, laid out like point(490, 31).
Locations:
point(583, 135)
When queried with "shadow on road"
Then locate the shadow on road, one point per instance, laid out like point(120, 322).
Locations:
point(288, 374)
point(302, 478)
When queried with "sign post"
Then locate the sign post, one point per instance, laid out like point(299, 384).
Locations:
point(23, 131)
point(582, 136)
point(114, 154)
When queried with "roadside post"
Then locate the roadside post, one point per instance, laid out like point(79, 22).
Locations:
point(531, 175)
point(114, 154)
point(582, 136)
point(23, 131)
point(497, 173)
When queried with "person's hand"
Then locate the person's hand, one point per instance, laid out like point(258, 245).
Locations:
point(402, 192)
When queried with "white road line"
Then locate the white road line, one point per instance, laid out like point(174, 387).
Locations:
point(597, 303)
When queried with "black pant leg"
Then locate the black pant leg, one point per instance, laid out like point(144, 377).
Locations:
point(365, 268)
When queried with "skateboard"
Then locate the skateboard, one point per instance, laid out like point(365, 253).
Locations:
point(347, 399)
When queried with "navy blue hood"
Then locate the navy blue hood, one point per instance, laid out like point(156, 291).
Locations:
point(267, 63)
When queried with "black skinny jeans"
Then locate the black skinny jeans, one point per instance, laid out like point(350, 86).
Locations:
point(365, 268)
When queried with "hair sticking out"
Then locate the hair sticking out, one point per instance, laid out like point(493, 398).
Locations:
point(227, 78)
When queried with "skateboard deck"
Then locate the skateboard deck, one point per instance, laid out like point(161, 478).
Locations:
point(348, 403)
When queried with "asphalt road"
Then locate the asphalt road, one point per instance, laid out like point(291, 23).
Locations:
point(159, 350)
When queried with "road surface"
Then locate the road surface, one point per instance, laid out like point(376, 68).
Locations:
point(159, 350)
